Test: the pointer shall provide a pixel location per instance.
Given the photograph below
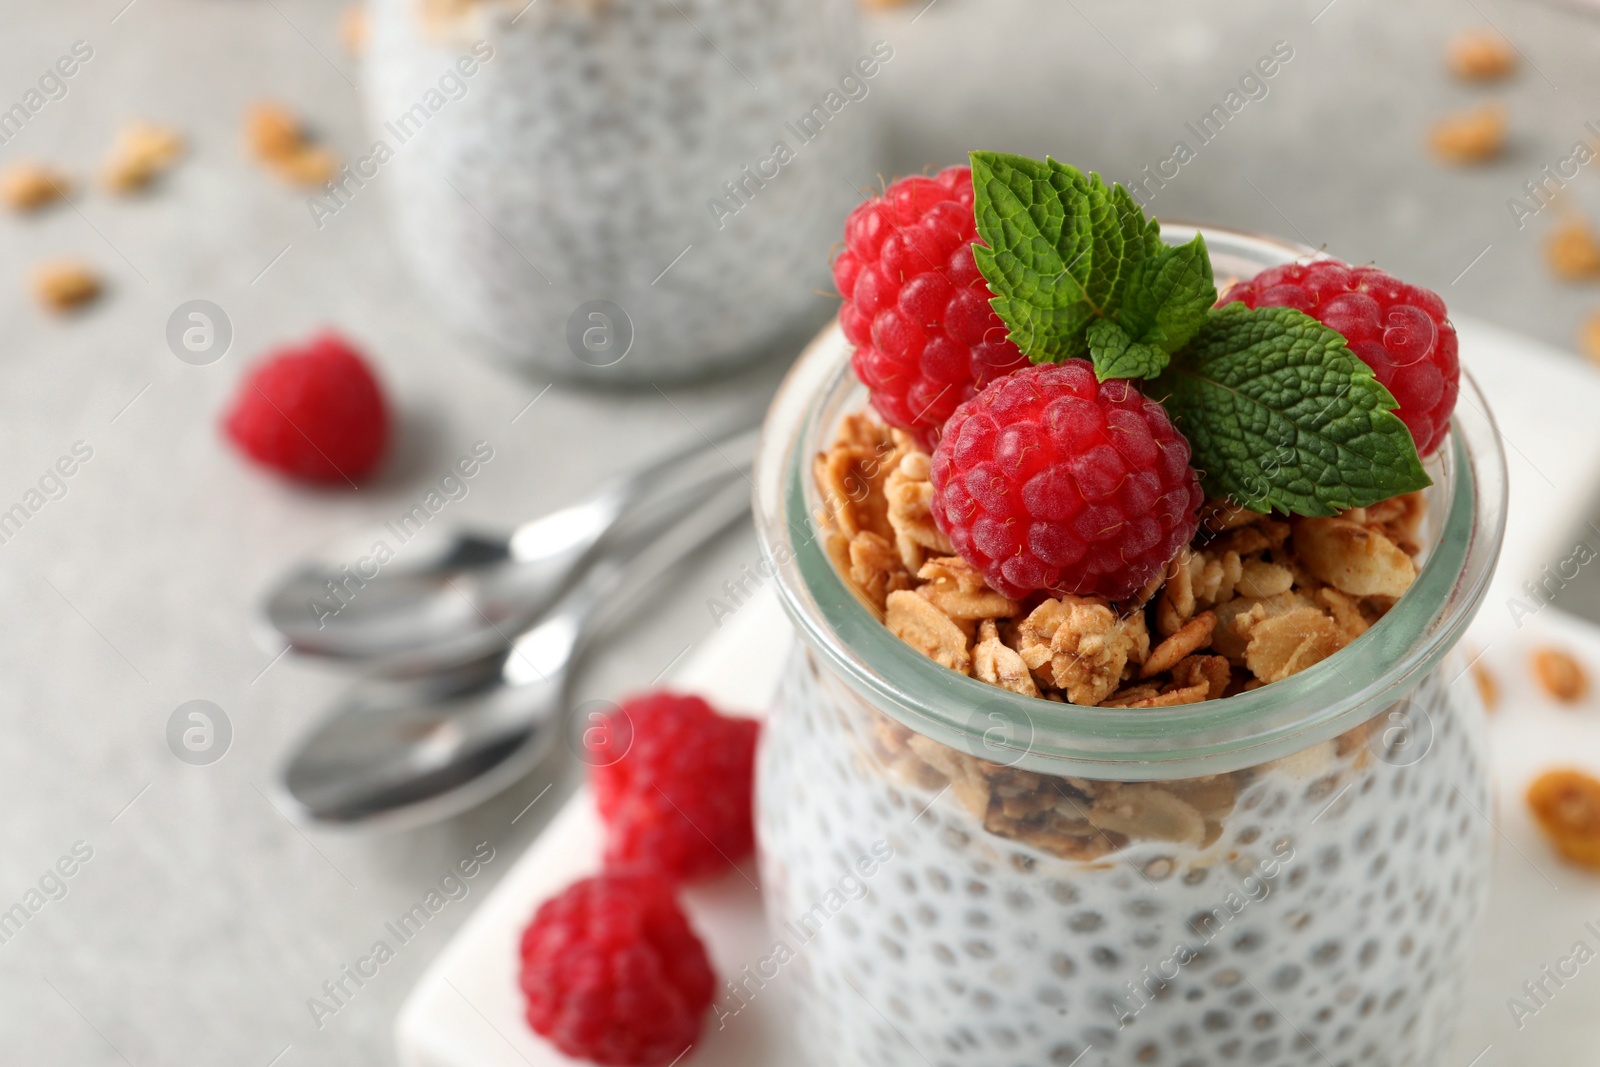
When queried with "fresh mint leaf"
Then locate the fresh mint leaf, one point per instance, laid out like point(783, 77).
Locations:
point(1062, 250)
point(1058, 248)
point(1116, 355)
point(1168, 296)
point(1281, 415)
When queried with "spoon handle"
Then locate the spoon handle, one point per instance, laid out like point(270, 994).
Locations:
point(596, 602)
point(598, 518)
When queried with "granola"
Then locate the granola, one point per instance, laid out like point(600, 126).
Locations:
point(1481, 55)
point(142, 152)
point(65, 285)
point(1475, 136)
point(1253, 599)
point(279, 139)
point(1560, 674)
point(1566, 804)
point(30, 186)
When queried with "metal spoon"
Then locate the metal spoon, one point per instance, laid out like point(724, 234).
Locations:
point(410, 752)
point(448, 597)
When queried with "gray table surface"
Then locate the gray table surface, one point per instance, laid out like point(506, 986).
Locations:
point(204, 919)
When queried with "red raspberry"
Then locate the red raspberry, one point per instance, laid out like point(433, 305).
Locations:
point(673, 781)
point(916, 307)
point(613, 973)
point(1401, 331)
point(1049, 480)
point(314, 413)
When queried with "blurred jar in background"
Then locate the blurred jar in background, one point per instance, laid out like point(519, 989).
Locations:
point(624, 191)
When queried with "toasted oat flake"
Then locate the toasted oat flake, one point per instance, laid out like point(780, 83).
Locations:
point(1195, 635)
point(1353, 559)
point(909, 496)
point(1560, 674)
point(1285, 644)
point(1212, 670)
point(959, 591)
point(29, 186)
point(925, 628)
point(1147, 812)
point(1475, 136)
point(997, 663)
point(875, 568)
point(1481, 55)
point(65, 285)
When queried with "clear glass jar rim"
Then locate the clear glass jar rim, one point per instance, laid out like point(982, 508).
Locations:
point(1212, 737)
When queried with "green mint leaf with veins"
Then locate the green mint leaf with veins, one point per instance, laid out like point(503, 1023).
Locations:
point(1168, 297)
point(1116, 355)
point(1281, 415)
point(1062, 251)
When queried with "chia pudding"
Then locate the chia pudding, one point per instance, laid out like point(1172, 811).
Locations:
point(1256, 860)
point(623, 190)
point(1329, 922)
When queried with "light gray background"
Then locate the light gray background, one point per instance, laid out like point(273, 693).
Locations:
point(204, 919)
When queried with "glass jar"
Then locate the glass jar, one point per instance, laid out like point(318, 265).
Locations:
point(623, 191)
point(966, 877)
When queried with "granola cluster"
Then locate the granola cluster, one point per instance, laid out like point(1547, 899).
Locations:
point(1254, 599)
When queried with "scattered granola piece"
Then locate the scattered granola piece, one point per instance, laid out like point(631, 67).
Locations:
point(312, 165)
point(927, 629)
point(140, 154)
point(1488, 685)
point(1573, 250)
point(273, 131)
point(998, 664)
point(278, 139)
point(354, 29)
point(1195, 635)
point(1352, 558)
point(1475, 136)
point(65, 285)
point(1284, 644)
point(1080, 645)
point(1566, 804)
point(29, 186)
point(1481, 55)
point(1589, 336)
point(1560, 674)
